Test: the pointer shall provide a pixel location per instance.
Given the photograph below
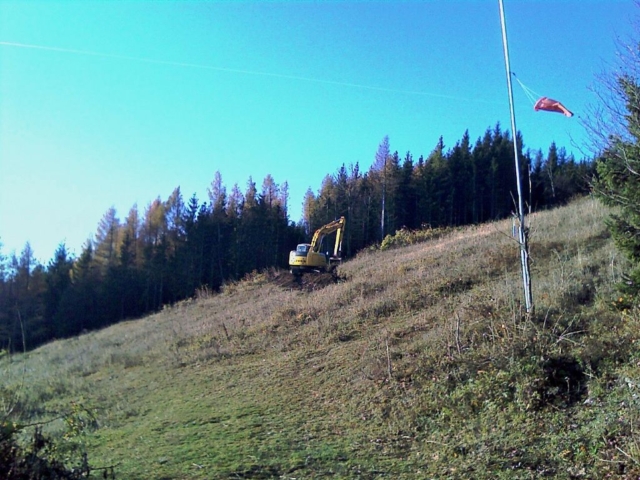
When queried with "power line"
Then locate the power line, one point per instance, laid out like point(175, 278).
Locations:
point(238, 71)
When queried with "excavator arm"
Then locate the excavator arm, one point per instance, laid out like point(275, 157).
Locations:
point(318, 236)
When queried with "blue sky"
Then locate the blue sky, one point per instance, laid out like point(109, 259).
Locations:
point(114, 103)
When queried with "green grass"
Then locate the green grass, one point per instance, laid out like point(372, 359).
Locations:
point(419, 363)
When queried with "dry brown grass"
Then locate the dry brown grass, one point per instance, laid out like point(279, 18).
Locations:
point(432, 332)
point(435, 296)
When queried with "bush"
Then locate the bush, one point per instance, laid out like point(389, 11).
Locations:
point(39, 459)
point(404, 237)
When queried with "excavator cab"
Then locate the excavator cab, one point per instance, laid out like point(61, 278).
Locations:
point(303, 249)
point(308, 257)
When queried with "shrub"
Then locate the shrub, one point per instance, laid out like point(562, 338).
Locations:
point(39, 459)
point(404, 237)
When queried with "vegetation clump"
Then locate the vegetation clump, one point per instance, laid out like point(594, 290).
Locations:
point(40, 458)
point(405, 237)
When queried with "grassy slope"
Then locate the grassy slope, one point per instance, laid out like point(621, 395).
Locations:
point(419, 364)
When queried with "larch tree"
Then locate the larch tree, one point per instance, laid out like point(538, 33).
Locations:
point(283, 198)
point(23, 267)
point(175, 212)
point(131, 248)
point(270, 190)
point(154, 230)
point(154, 223)
point(107, 240)
point(236, 200)
point(251, 194)
point(309, 205)
point(379, 167)
point(217, 195)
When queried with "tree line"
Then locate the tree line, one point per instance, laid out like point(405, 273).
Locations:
point(135, 265)
point(466, 184)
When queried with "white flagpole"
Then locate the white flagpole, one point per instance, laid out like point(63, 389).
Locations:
point(522, 229)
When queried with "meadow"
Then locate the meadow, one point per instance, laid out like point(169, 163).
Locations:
point(418, 362)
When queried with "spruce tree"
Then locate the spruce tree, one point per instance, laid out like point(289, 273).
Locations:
point(618, 180)
point(58, 280)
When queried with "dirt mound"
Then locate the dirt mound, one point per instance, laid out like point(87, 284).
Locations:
point(307, 281)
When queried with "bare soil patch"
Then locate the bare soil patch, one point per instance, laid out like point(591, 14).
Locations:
point(307, 281)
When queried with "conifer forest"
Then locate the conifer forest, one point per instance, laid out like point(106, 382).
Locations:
point(165, 252)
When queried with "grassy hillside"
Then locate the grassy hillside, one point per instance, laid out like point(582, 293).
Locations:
point(418, 363)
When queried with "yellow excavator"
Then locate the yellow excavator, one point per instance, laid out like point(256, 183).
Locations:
point(308, 257)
